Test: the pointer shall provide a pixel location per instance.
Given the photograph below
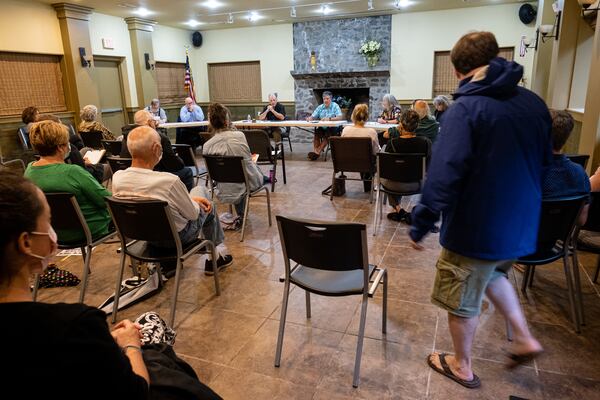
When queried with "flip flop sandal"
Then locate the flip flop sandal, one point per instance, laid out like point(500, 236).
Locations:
point(446, 371)
point(520, 359)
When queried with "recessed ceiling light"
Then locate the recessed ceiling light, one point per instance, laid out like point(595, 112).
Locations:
point(212, 4)
point(402, 3)
point(193, 23)
point(230, 18)
point(325, 9)
point(293, 12)
point(370, 5)
point(254, 16)
point(143, 12)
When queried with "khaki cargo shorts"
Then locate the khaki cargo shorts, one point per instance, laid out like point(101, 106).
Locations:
point(460, 282)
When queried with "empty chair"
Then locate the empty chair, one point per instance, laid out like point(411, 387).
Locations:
point(557, 223)
point(118, 163)
point(259, 143)
point(112, 147)
point(185, 152)
point(352, 154)
point(141, 221)
point(397, 167)
point(330, 259)
point(581, 159)
point(92, 139)
point(229, 169)
point(66, 215)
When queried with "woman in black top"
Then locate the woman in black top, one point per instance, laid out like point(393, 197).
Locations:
point(406, 142)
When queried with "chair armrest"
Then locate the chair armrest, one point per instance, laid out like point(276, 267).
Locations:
point(282, 277)
point(380, 272)
point(127, 245)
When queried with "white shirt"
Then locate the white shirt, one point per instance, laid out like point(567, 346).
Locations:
point(139, 182)
point(355, 131)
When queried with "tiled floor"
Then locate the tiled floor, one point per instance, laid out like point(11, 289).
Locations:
point(230, 340)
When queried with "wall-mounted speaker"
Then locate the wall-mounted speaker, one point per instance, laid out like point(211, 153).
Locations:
point(197, 39)
point(527, 13)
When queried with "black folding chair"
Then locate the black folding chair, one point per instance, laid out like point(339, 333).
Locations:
point(581, 159)
point(112, 147)
point(185, 152)
point(66, 215)
point(141, 221)
point(352, 154)
point(17, 165)
point(557, 224)
point(285, 134)
point(24, 139)
point(259, 143)
point(588, 237)
point(92, 139)
point(331, 259)
point(230, 169)
point(397, 167)
point(118, 163)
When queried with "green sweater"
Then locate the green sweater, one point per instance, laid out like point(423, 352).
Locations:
point(429, 128)
point(88, 192)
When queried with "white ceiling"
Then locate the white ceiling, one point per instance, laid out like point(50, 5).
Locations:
point(177, 12)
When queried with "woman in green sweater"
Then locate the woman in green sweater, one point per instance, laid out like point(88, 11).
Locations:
point(50, 173)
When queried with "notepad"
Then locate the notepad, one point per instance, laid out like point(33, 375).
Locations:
point(94, 156)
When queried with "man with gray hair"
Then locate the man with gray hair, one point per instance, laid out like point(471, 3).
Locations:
point(191, 112)
point(191, 212)
point(274, 111)
point(157, 111)
point(170, 162)
point(328, 111)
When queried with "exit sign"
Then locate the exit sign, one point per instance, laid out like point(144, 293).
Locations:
point(108, 43)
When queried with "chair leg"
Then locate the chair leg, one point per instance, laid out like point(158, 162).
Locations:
point(274, 175)
point(36, 286)
point(384, 312)
point(526, 272)
point(371, 191)
point(509, 333)
point(574, 313)
point(176, 291)
point(307, 304)
point(597, 270)
point(578, 294)
point(284, 305)
point(268, 205)
point(87, 252)
point(531, 274)
point(377, 206)
point(359, 344)
point(283, 163)
point(118, 288)
point(213, 253)
point(290, 143)
point(332, 185)
point(245, 217)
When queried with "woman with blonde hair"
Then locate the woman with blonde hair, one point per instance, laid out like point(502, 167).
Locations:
point(89, 123)
point(360, 115)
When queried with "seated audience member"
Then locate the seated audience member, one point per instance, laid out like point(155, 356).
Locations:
point(441, 104)
point(170, 162)
point(90, 124)
point(406, 142)
point(101, 172)
point(157, 111)
point(68, 349)
point(229, 142)
point(563, 177)
point(360, 116)
point(191, 112)
point(328, 111)
point(192, 212)
point(428, 126)
point(29, 116)
point(391, 110)
point(274, 111)
point(50, 173)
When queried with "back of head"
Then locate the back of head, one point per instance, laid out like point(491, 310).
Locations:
point(360, 115)
point(20, 207)
point(441, 101)
point(391, 100)
point(409, 121)
point(474, 50)
point(48, 117)
point(140, 141)
point(422, 108)
point(562, 126)
point(218, 116)
point(89, 113)
point(29, 115)
point(142, 117)
point(47, 136)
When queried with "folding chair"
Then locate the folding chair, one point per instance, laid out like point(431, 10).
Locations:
point(581, 159)
point(352, 154)
point(118, 163)
point(259, 143)
point(112, 147)
point(24, 139)
point(92, 139)
point(185, 152)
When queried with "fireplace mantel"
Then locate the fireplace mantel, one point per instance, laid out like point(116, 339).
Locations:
point(346, 74)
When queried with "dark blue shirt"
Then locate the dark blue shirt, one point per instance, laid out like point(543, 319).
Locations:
point(564, 178)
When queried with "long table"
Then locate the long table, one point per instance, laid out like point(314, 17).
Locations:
point(283, 124)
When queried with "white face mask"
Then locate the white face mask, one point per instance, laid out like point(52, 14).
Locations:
point(54, 247)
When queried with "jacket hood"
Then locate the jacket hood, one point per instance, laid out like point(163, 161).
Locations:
point(501, 79)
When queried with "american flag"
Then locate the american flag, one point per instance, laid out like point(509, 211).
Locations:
point(189, 80)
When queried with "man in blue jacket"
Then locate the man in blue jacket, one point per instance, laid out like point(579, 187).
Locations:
point(485, 180)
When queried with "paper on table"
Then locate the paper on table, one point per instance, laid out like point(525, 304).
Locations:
point(94, 156)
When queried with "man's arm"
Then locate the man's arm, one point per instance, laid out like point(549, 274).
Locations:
point(280, 115)
point(185, 115)
point(163, 115)
point(198, 114)
point(338, 113)
point(263, 115)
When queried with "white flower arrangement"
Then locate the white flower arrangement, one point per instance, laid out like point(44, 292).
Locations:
point(370, 47)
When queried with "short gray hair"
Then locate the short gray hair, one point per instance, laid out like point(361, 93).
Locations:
point(274, 94)
point(441, 100)
point(89, 113)
point(328, 94)
point(142, 117)
point(155, 101)
point(391, 99)
point(140, 140)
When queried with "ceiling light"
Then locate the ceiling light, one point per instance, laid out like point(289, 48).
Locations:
point(212, 4)
point(293, 12)
point(402, 3)
point(193, 23)
point(370, 5)
point(325, 9)
point(143, 12)
point(254, 16)
point(230, 19)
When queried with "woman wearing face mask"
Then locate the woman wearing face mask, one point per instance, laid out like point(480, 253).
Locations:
point(55, 350)
point(51, 174)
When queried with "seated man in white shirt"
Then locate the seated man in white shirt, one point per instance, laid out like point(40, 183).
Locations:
point(191, 212)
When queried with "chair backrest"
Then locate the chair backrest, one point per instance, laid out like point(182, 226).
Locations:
point(24, 139)
point(92, 139)
point(593, 220)
point(16, 165)
point(225, 169)
point(581, 159)
point(125, 129)
point(185, 152)
point(557, 220)
point(143, 219)
point(112, 147)
point(118, 163)
point(352, 154)
point(66, 214)
point(401, 167)
point(332, 246)
point(259, 143)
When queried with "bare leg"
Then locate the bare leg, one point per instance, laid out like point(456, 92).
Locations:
point(316, 143)
point(322, 145)
point(462, 331)
point(503, 295)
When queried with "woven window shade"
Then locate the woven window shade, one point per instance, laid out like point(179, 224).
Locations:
point(170, 78)
point(444, 80)
point(235, 82)
point(30, 80)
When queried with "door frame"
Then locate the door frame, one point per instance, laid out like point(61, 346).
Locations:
point(122, 80)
